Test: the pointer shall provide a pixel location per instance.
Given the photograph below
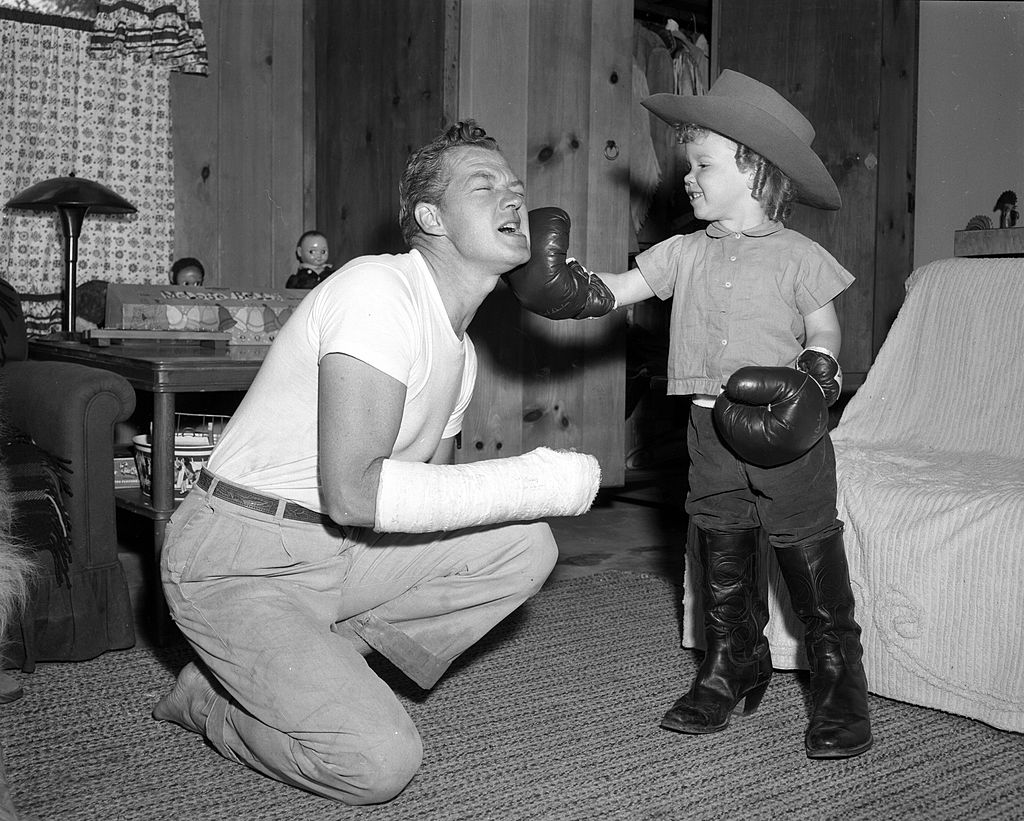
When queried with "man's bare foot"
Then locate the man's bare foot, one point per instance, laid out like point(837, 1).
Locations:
point(188, 704)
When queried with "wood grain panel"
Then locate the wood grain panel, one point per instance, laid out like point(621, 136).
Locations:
point(309, 117)
point(897, 140)
point(380, 74)
point(286, 157)
point(604, 390)
point(239, 144)
point(246, 141)
point(194, 101)
point(558, 134)
point(561, 381)
point(494, 421)
point(493, 82)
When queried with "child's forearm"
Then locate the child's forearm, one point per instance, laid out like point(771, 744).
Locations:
point(628, 288)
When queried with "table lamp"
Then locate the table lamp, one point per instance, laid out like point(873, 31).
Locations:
point(72, 197)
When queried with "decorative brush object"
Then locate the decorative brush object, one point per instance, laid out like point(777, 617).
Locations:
point(979, 222)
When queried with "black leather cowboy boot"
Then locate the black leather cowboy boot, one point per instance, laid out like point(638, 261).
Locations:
point(818, 579)
point(737, 663)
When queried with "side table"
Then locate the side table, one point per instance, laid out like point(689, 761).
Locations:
point(163, 369)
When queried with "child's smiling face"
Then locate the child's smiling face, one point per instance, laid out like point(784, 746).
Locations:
point(716, 187)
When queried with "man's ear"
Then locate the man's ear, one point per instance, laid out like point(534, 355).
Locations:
point(428, 219)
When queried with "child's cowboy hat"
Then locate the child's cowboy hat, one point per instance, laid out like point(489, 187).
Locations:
point(749, 112)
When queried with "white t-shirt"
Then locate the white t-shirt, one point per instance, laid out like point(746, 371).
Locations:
point(383, 310)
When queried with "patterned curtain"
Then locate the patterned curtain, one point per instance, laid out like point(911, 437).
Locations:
point(106, 120)
point(151, 30)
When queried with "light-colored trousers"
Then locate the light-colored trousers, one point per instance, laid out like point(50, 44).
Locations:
point(282, 612)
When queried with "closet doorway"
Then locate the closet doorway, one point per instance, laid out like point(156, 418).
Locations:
point(672, 52)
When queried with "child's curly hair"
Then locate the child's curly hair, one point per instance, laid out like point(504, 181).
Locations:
point(772, 188)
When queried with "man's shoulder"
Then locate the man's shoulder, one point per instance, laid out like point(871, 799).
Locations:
point(396, 263)
point(372, 273)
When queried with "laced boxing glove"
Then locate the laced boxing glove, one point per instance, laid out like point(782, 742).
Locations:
point(770, 416)
point(552, 285)
point(822, 365)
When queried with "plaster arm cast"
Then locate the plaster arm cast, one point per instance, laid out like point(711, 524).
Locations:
point(414, 497)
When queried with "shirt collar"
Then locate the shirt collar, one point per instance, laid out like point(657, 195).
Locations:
point(716, 231)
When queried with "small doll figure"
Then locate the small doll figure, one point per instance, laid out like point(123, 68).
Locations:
point(1006, 205)
point(311, 252)
point(188, 272)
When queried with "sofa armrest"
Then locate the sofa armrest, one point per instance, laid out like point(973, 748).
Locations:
point(70, 410)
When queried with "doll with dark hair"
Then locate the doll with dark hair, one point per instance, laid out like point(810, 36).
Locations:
point(311, 251)
point(187, 272)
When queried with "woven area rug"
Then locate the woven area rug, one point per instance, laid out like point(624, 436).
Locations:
point(553, 716)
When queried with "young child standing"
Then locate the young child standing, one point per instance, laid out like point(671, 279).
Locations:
point(746, 291)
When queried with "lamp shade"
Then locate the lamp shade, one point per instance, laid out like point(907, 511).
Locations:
point(72, 198)
point(72, 192)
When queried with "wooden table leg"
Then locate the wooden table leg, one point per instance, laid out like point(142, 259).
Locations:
point(163, 501)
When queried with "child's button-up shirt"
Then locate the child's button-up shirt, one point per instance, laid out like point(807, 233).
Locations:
point(738, 299)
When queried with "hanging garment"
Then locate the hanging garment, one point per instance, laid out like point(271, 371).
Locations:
point(644, 170)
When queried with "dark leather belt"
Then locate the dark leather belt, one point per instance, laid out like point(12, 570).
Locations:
point(260, 503)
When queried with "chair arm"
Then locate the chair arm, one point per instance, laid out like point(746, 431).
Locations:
point(70, 410)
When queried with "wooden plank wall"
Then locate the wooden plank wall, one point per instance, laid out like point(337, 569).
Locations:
point(380, 93)
point(555, 94)
point(897, 162)
point(239, 142)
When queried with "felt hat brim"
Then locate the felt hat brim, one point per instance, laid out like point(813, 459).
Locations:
point(751, 113)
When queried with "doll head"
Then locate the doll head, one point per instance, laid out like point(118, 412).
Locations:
point(187, 272)
point(312, 251)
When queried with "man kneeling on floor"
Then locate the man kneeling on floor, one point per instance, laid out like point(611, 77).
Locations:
point(332, 522)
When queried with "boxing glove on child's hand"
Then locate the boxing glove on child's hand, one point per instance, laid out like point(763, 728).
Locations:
point(822, 365)
point(552, 285)
point(770, 416)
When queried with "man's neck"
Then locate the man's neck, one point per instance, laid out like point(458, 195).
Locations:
point(462, 287)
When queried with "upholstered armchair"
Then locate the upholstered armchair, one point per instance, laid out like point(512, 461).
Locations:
point(69, 412)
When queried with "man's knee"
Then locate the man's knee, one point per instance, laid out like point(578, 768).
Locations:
point(380, 771)
point(540, 555)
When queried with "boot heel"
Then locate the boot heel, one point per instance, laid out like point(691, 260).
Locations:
point(753, 697)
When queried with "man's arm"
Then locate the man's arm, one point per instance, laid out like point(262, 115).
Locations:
point(360, 412)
